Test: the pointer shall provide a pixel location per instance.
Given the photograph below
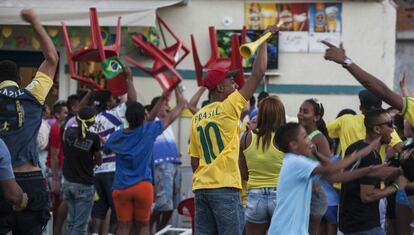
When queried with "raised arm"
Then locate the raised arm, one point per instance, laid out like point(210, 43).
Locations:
point(369, 81)
point(50, 63)
point(86, 98)
point(176, 111)
point(131, 92)
point(192, 104)
point(259, 68)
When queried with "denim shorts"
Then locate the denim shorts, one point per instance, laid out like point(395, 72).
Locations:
point(401, 198)
point(331, 215)
point(167, 177)
point(260, 205)
point(319, 201)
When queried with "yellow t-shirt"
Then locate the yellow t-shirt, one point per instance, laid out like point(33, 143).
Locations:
point(264, 166)
point(350, 128)
point(408, 109)
point(215, 140)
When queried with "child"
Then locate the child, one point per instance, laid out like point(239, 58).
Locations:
point(297, 174)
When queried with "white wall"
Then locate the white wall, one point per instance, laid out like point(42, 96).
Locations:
point(368, 35)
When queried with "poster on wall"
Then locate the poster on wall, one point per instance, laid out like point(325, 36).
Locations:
point(325, 17)
point(260, 15)
point(224, 46)
point(293, 16)
point(293, 41)
point(302, 23)
point(315, 39)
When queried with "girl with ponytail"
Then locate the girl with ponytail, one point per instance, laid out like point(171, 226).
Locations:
point(310, 116)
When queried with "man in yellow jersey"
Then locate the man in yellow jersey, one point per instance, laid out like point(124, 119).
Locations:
point(214, 149)
point(350, 128)
point(373, 84)
point(20, 119)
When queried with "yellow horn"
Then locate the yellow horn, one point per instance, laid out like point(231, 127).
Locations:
point(247, 50)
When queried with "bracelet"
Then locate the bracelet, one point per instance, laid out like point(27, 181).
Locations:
point(396, 186)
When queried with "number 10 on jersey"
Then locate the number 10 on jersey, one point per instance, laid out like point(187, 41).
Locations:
point(206, 140)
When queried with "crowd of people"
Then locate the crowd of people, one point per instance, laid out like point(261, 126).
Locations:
point(110, 164)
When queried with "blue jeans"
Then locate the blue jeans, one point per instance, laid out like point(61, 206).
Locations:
point(373, 231)
point(80, 201)
point(218, 211)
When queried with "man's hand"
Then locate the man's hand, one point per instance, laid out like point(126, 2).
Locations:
point(334, 53)
point(22, 204)
point(128, 73)
point(28, 15)
point(273, 29)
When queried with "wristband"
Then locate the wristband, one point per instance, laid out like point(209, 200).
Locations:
point(347, 62)
point(396, 186)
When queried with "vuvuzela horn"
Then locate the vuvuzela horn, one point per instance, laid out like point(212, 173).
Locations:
point(247, 50)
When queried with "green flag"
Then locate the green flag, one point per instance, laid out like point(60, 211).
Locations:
point(112, 67)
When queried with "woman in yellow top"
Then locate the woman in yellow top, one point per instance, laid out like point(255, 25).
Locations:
point(260, 162)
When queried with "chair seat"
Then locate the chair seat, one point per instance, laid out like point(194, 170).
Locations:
point(87, 54)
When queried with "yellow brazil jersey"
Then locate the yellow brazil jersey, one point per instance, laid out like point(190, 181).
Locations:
point(350, 128)
point(215, 140)
point(408, 109)
point(264, 166)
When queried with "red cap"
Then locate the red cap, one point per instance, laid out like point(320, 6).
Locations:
point(215, 76)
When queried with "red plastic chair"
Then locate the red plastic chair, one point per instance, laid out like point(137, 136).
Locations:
point(235, 62)
point(187, 204)
point(96, 51)
point(164, 60)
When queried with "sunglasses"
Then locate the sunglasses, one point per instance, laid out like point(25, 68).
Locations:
point(389, 124)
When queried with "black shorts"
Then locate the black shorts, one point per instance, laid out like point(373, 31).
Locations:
point(103, 187)
point(33, 219)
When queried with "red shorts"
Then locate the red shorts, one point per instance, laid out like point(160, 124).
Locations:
point(134, 202)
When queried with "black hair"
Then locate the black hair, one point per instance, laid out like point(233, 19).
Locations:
point(252, 101)
point(85, 113)
point(154, 102)
point(261, 96)
point(320, 125)
point(9, 71)
point(369, 101)
point(147, 108)
point(135, 114)
point(57, 107)
point(372, 118)
point(346, 111)
point(72, 100)
point(101, 98)
point(286, 134)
